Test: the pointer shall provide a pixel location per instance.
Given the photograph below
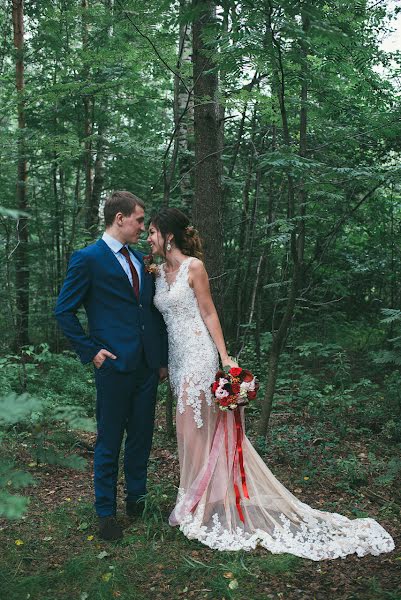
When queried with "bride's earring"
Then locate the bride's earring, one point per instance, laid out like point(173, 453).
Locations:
point(168, 247)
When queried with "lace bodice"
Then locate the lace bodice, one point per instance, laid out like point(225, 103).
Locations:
point(193, 358)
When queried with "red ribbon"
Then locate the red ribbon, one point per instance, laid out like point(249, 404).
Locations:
point(239, 458)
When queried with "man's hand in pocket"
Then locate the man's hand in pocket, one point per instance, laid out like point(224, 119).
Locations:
point(101, 356)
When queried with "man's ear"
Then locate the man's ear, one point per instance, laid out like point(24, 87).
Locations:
point(119, 219)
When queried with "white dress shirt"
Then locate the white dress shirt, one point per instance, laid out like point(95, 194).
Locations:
point(115, 246)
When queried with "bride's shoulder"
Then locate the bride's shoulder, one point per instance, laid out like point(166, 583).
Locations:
point(197, 272)
point(196, 265)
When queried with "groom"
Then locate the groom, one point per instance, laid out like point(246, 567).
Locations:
point(127, 343)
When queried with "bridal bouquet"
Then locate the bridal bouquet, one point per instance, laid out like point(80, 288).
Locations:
point(234, 388)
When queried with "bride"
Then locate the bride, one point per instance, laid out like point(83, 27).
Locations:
point(223, 502)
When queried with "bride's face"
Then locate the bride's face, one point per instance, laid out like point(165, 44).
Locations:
point(156, 241)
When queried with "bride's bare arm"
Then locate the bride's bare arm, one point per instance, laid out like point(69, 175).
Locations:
point(199, 281)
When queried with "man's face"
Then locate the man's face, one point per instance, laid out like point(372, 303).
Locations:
point(133, 225)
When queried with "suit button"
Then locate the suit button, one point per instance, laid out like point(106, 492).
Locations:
point(143, 327)
point(140, 306)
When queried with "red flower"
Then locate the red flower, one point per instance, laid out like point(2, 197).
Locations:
point(235, 388)
point(235, 371)
point(247, 375)
point(251, 395)
point(215, 385)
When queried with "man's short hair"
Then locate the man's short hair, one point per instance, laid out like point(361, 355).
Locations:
point(120, 201)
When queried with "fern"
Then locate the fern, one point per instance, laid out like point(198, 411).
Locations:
point(391, 315)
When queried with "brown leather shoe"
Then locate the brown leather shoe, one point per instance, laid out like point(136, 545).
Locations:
point(109, 529)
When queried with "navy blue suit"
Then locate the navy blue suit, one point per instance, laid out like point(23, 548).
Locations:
point(134, 331)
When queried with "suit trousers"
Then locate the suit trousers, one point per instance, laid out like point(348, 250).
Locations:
point(125, 403)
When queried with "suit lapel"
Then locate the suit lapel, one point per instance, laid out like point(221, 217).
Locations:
point(112, 260)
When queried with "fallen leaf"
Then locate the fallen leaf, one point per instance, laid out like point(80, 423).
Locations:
point(106, 576)
point(102, 554)
point(228, 575)
point(19, 543)
point(90, 538)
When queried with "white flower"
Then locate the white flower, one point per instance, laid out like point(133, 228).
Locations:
point(243, 392)
point(222, 382)
point(221, 393)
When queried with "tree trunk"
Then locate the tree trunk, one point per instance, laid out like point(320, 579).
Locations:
point(207, 209)
point(279, 338)
point(185, 112)
point(91, 211)
point(56, 225)
point(95, 174)
point(21, 253)
point(244, 235)
point(99, 172)
point(297, 241)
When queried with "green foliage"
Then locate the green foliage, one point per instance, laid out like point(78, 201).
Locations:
point(392, 317)
point(38, 421)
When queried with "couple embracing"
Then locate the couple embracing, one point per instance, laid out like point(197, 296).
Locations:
point(140, 323)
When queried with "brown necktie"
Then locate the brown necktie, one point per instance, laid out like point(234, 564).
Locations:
point(135, 278)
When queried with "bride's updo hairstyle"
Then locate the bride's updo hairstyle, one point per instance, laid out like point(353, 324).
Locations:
point(186, 237)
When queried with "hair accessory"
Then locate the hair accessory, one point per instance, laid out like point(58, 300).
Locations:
point(190, 230)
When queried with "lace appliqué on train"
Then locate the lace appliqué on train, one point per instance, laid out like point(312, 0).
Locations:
point(314, 538)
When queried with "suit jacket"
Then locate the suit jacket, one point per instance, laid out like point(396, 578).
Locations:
point(117, 321)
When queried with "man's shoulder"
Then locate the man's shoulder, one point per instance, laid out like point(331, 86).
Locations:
point(90, 250)
point(86, 255)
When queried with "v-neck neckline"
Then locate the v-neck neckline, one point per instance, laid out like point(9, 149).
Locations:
point(172, 284)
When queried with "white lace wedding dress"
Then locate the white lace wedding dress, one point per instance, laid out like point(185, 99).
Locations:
point(224, 502)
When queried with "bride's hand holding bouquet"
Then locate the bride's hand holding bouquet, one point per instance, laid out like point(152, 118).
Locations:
point(234, 387)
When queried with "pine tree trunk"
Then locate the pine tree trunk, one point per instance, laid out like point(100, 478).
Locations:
point(21, 253)
point(207, 208)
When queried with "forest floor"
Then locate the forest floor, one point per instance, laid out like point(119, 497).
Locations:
point(54, 553)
